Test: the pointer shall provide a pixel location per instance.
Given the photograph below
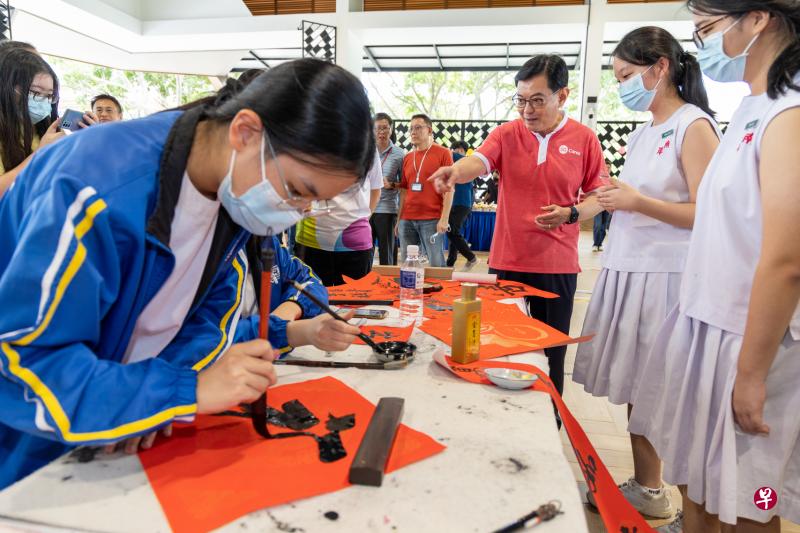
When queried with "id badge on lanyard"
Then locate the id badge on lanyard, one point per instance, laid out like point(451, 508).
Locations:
point(417, 186)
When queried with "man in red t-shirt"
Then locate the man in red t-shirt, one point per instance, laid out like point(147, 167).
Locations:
point(424, 211)
point(546, 160)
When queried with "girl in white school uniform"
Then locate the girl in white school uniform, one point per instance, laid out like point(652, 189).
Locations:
point(724, 372)
point(653, 206)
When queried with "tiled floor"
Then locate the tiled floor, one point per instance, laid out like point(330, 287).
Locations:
point(604, 423)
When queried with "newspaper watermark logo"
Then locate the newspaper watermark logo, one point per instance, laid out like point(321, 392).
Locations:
point(765, 498)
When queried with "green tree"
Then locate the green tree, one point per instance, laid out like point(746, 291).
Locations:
point(141, 93)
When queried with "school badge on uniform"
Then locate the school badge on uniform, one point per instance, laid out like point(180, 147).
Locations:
point(666, 144)
point(749, 134)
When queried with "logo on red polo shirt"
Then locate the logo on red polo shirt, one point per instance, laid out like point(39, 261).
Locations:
point(564, 150)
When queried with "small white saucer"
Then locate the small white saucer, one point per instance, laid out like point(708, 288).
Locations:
point(508, 378)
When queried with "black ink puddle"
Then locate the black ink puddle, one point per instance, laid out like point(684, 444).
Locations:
point(297, 417)
point(85, 454)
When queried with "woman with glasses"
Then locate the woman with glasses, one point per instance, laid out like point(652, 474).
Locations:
point(724, 372)
point(122, 277)
point(335, 238)
point(28, 93)
point(654, 206)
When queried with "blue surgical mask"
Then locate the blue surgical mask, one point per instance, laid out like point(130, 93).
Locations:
point(634, 95)
point(716, 64)
point(260, 210)
point(38, 108)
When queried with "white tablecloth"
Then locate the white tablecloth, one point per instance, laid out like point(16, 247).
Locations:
point(503, 459)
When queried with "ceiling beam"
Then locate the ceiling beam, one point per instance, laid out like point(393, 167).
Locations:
point(438, 57)
point(372, 58)
point(259, 59)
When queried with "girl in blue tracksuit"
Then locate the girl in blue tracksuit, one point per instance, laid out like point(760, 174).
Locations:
point(122, 264)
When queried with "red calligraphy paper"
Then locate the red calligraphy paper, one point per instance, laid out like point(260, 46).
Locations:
point(616, 512)
point(505, 330)
point(386, 333)
point(373, 286)
point(499, 291)
point(218, 469)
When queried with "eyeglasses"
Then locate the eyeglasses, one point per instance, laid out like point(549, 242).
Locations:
point(416, 129)
point(537, 102)
point(698, 40)
point(39, 97)
point(383, 128)
point(309, 208)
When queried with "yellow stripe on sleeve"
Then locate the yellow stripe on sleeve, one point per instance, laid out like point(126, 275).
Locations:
point(43, 391)
point(225, 318)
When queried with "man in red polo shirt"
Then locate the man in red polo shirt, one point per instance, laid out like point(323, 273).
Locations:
point(424, 211)
point(546, 161)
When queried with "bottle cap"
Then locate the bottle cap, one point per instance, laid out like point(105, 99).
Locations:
point(469, 291)
point(412, 249)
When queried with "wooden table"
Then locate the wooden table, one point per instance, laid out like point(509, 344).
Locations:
point(503, 459)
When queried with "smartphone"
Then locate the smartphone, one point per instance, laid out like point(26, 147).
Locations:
point(374, 314)
point(71, 119)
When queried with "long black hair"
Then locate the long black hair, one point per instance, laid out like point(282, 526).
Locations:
point(787, 12)
point(646, 45)
point(312, 110)
point(18, 68)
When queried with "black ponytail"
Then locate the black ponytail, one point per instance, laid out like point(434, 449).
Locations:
point(786, 66)
point(313, 111)
point(645, 46)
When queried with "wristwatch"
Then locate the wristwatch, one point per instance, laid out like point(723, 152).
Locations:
point(573, 215)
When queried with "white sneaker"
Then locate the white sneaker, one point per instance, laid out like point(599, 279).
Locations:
point(676, 526)
point(595, 248)
point(470, 265)
point(649, 502)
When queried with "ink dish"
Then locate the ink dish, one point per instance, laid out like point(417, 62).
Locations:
point(508, 378)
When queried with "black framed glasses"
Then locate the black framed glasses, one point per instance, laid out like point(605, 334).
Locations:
point(40, 97)
point(696, 34)
point(537, 102)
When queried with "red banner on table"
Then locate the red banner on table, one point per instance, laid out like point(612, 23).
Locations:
point(219, 469)
point(618, 515)
point(505, 330)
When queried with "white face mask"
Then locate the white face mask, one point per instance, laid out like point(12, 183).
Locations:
point(260, 210)
point(716, 64)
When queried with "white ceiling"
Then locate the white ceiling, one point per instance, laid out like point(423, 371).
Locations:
point(212, 36)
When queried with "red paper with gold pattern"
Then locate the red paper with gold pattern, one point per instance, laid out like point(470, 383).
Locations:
point(505, 330)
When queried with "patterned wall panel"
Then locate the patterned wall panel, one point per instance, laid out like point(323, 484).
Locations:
point(613, 136)
point(319, 41)
point(445, 132)
point(5, 21)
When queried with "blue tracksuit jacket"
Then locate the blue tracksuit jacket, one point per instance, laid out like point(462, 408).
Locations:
point(84, 246)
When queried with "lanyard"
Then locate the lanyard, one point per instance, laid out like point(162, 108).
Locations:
point(388, 152)
point(414, 158)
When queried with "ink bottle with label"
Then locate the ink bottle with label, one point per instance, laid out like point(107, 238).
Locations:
point(466, 341)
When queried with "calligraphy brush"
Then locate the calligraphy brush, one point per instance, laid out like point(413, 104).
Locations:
point(259, 407)
point(391, 365)
point(337, 316)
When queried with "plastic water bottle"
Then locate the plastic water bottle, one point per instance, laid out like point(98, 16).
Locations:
point(411, 278)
